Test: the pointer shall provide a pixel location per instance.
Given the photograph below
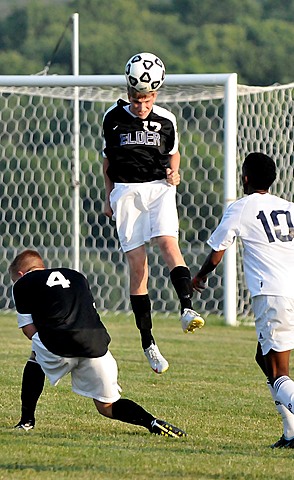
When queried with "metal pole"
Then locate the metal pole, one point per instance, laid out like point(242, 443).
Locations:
point(76, 146)
point(110, 80)
point(230, 274)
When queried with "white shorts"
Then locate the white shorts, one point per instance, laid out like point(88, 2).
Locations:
point(90, 377)
point(143, 211)
point(274, 322)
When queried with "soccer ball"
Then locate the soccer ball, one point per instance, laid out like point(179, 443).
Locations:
point(145, 72)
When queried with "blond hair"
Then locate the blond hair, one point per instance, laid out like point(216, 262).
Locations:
point(132, 92)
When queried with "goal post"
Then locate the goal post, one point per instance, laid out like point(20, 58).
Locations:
point(230, 179)
point(37, 122)
point(219, 123)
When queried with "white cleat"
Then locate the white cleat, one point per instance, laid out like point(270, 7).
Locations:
point(157, 362)
point(191, 320)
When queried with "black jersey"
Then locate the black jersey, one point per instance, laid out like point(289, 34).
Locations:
point(138, 149)
point(63, 311)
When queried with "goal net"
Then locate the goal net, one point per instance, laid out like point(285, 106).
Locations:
point(38, 182)
point(265, 123)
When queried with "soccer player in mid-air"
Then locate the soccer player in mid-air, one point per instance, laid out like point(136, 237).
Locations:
point(56, 310)
point(265, 224)
point(141, 171)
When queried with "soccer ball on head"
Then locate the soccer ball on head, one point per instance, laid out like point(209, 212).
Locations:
point(145, 72)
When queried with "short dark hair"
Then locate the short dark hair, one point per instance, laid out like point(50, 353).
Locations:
point(260, 170)
point(26, 261)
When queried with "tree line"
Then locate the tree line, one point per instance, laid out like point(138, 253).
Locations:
point(252, 38)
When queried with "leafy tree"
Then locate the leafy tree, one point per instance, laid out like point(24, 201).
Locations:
point(13, 31)
point(252, 37)
point(214, 49)
point(13, 63)
point(266, 53)
point(106, 45)
point(278, 10)
point(200, 13)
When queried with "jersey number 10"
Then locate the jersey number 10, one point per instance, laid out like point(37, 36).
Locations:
point(276, 225)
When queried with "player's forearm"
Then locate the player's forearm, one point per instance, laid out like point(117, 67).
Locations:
point(108, 189)
point(107, 182)
point(210, 263)
point(175, 161)
point(172, 173)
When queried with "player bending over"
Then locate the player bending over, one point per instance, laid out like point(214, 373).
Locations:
point(56, 310)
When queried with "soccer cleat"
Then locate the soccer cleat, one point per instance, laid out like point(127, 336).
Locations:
point(157, 362)
point(160, 427)
point(283, 443)
point(29, 425)
point(191, 320)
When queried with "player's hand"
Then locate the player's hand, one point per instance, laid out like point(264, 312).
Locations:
point(172, 177)
point(199, 283)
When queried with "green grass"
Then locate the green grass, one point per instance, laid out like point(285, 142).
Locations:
point(213, 390)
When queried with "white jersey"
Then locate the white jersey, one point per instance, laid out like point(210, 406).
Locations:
point(264, 223)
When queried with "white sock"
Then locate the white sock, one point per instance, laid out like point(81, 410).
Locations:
point(284, 389)
point(287, 416)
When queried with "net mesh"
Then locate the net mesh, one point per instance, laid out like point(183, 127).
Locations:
point(36, 142)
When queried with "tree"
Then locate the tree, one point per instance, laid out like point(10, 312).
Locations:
point(278, 10)
point(251, 38)
point(13, 63)
point(266, 53)
point(199, 13)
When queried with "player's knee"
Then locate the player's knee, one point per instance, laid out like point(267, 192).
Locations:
point(104, 409)
point(168, 244)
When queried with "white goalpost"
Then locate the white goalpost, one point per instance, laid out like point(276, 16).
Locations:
point(217, 93)
point(52, 189)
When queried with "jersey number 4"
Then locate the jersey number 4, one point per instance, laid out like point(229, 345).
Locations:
point(276, 218)
point(56, 278)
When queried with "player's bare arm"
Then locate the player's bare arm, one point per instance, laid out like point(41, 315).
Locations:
point(172, 173)
point(210, 263)
point(108, 188)
point(29, 330)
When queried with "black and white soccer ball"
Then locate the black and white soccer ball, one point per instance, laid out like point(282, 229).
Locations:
point(145, 72)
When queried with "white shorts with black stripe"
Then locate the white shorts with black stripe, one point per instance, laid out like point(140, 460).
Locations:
point(143, 211)
point(90, 377)
point(274, 322)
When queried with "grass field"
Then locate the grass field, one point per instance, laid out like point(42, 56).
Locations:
point(213, 390)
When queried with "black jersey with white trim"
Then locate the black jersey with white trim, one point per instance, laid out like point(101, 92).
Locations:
point(63, 311)
point(138, 150)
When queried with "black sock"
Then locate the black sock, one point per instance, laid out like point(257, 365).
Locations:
point(181, 279)
point(33, 379)
point(141, 307)
point(130, 412)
